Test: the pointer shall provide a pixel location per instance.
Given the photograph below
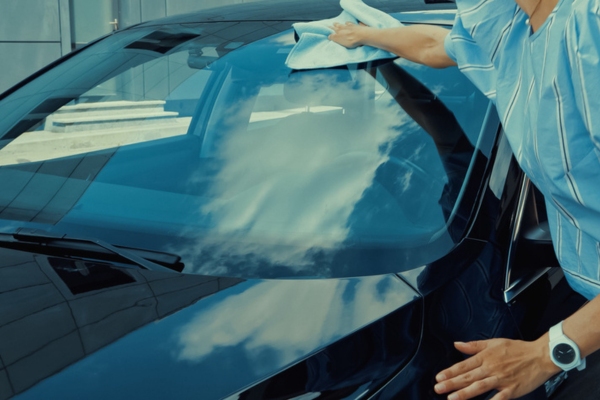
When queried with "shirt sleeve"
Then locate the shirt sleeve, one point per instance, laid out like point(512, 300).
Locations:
point(449, 47)
point(583, 49)
point(472, 59)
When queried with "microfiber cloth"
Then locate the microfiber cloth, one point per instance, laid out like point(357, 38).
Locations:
point(315, 50)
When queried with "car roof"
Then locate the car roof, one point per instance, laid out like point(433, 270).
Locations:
point(297, 10)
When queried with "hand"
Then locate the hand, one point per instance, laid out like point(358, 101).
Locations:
point(512, 367)
point(348, 35)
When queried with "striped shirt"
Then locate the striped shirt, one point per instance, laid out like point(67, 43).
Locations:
point(546, 86)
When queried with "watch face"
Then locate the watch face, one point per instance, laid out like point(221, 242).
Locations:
point(564, 353)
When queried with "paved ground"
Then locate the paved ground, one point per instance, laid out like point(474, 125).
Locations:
point(582, 385)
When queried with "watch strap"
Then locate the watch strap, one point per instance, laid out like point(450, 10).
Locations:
point(581, 365)
point(556, 334)
point(556, 331)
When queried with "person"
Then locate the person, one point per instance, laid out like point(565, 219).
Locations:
point(538, 60)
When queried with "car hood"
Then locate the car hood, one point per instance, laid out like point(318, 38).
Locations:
point(73, 328)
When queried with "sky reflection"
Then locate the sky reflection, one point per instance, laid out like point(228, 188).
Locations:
point(288, 319)
point(292, 187)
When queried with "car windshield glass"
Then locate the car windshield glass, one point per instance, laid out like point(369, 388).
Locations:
point(197, 140)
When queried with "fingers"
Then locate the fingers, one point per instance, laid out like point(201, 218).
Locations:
point(477, 388)
point(337, 26)
point(471, 348)
point(510, 366)
point(461, 381)
point(458, 369)
point(344, 35)
point(503, 395)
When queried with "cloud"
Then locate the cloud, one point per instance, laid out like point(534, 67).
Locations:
point(293, 317)
point(287, 189)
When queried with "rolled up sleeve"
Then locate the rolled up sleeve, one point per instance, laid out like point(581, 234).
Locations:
point(472, 59)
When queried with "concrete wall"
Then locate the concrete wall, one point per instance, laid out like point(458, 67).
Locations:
point(34, 33)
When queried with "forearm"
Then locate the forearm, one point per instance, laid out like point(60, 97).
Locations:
point(583, 327)
point(423, 44)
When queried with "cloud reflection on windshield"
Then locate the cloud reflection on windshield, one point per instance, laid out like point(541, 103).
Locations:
point(285, 190)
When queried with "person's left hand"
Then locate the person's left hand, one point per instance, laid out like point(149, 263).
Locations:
point(513, 367)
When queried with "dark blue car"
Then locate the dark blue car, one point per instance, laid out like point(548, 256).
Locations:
point(183, 216)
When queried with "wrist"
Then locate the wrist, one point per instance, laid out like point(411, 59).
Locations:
point(366, 36)
point(546, 364)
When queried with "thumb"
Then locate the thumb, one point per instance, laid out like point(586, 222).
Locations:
point(471, 348)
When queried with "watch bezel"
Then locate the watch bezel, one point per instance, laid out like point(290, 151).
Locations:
point(572, 353)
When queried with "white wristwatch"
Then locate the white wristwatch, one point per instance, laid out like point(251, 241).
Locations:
point(563, 351)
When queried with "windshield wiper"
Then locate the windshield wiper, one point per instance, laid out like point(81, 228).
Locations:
point(26, 236)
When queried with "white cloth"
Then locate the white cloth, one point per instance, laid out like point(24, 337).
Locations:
point(315, 50)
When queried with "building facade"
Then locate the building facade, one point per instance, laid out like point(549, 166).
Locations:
point(33, 33)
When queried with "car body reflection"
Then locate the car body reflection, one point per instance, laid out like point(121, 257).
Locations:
point(80, 315)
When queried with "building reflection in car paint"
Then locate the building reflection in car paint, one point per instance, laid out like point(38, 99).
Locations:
point(82, 276)
point(64, 314)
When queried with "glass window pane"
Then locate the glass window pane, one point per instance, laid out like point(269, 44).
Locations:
point(91, 19)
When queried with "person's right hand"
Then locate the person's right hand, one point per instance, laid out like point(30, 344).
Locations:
point(348, 35)
point(512, 367)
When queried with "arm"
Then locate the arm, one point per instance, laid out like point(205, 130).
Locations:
point(423, 44)
point(514, 367)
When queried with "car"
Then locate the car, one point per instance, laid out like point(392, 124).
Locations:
point(184, 216)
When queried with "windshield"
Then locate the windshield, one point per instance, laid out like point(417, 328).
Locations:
point(199, 141)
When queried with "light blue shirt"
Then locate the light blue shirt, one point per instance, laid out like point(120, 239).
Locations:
point(546, 86)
